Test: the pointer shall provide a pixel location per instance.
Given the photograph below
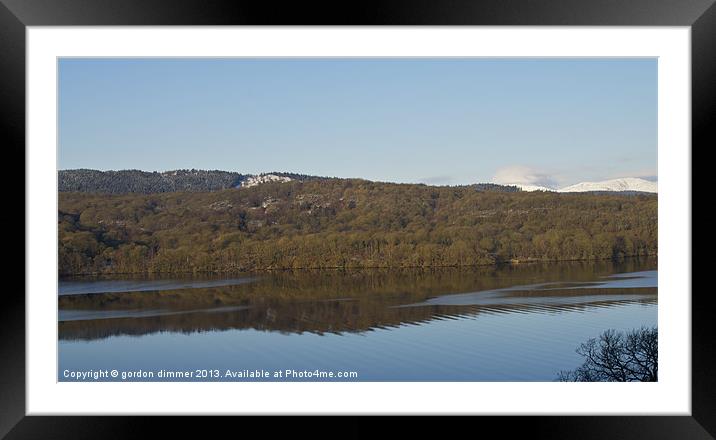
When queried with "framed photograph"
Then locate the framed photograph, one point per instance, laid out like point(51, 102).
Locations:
point(464, 209)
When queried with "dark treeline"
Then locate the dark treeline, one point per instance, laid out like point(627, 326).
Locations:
point(147, 182)
point(345, 223)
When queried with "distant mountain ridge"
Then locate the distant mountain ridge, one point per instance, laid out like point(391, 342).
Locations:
point(185, 180)
point(530, 188)
point(626, 184)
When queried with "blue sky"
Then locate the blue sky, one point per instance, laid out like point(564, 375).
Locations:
point(431, 120)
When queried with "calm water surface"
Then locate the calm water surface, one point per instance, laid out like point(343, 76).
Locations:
point(513, 323)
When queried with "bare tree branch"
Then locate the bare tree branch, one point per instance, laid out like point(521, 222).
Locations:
point(617, 357)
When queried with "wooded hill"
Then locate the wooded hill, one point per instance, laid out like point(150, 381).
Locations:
point(150, 182)
point(345, 223)
point(136, 181)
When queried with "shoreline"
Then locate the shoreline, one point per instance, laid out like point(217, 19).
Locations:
point(511, 262)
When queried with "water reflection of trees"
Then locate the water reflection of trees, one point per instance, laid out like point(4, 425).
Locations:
point(357, 301)
point(403, 286)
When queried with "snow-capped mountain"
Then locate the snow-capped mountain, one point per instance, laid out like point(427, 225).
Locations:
point(530, 187)
point(625, 184)
point(264, 178)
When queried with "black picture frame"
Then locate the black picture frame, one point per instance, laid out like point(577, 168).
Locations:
point(16, 15)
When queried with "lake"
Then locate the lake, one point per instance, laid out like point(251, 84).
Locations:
point(510, 323)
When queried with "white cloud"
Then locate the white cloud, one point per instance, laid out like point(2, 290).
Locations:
point(523, 175)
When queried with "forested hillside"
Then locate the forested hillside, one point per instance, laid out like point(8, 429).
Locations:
point(145, 182)
point(345, 223)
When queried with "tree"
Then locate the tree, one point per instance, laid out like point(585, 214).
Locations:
point(618, 357)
